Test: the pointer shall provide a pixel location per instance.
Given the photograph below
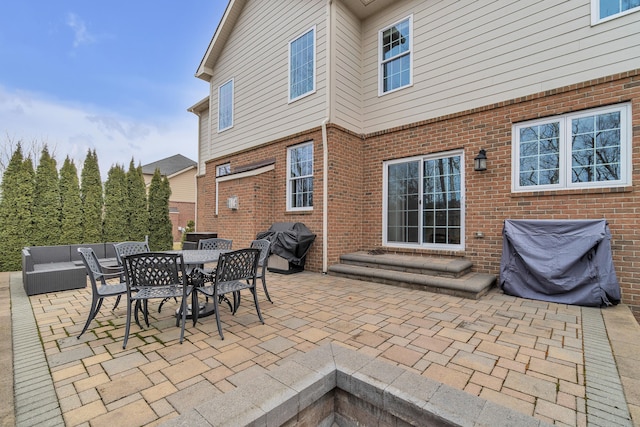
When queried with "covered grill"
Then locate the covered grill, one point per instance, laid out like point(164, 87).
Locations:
point(290, 243)
point(568, 262)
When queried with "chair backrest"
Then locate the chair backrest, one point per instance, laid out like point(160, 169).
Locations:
point(215, 243)
point(237, 265)
point(264, 245)
point(91, 263)
point(154, 269)
point(124, 249)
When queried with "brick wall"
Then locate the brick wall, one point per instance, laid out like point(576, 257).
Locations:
point(355, 184)
point(489, 200)
point(262, 198)
point(185, 212)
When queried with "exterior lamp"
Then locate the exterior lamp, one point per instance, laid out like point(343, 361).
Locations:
point(480, 162)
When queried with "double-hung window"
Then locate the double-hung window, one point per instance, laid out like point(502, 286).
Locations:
point(585, 149)
point(300, 177)
point(602, 10)
point(225, 106)
point(395, 56)
point(302, 65)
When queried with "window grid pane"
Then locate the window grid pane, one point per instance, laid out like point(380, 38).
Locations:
point(442, 201)
point(402, 202)
point(225, 106)
point(577, 150)
point(595, 149)
point(615, 7)
point(396, 56)
point(540, 154)
point(301, 65)
point(300, 175)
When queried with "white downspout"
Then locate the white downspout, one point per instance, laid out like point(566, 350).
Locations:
point(325, 146)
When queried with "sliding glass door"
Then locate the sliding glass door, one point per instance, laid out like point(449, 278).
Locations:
point(424, 202)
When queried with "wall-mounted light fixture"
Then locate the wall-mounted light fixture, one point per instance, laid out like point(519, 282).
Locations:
point(480, 162)
point(232, 203)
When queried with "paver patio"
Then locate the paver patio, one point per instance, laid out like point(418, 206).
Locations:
point(523, 354)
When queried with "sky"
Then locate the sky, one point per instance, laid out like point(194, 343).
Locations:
point(116, 76)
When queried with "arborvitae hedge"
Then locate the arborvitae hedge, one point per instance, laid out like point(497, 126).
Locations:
point(160, 237)
point(71, 204)
point(137, 209)
point(47, 208)
point(15, 210)
point(92, 202)
point(115, 226)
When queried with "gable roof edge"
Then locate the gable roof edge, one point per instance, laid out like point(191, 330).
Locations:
point(228, 21)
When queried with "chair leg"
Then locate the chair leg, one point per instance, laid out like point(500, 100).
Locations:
point(93, 311)
point(183, 312)
point(215, 305)
point(117, 302)
point(195, 306)
point(236, 302)
point(255, 300)
point(127, 325)
point(264, 286)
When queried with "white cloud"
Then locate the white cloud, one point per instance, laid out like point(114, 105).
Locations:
point(81, 34)
point(73, 129)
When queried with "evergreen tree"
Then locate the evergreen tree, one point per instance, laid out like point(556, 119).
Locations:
point(71, 204)
point(92, 202)
point(138, 213)
point(160, 237)
point(17, 189)
point(47, 207)
point(115, 226)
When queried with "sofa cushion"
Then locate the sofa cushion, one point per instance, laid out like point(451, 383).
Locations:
point(54, 266)
point(47, 254)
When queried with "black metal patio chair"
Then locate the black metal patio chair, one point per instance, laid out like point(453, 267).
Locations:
point(235, 271)
point(100, 287)
point(156, 275)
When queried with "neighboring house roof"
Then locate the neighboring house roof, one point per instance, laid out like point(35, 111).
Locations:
point(169, 166)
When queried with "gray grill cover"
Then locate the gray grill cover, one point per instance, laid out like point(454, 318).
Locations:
point(289, 240)
point(566, 262)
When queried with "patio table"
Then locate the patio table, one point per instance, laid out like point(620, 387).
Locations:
point(194, 258)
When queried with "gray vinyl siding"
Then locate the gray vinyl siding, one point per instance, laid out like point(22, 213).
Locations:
point(347, 69)
point(256, 57)
point(203, 140)
point(471, 54)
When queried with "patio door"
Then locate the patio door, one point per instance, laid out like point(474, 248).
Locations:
point(424, 202)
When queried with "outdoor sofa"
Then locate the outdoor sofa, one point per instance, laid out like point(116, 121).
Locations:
point(59, 268)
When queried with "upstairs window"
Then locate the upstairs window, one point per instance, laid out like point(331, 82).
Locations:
point(225, 106)
point(224, 169)
point(302, 65)
point(585, 149)
point(300, 177)
point(602, 10)
point(395, 56)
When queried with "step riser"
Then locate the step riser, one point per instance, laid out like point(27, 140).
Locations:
point(434, 289)
point(405, 269)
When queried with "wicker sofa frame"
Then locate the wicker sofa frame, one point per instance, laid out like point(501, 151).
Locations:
point(59, 268)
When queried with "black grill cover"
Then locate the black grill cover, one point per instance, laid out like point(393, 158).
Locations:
point(566, 262)
point(289, 240)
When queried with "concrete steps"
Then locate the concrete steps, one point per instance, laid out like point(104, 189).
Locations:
point(451, 276)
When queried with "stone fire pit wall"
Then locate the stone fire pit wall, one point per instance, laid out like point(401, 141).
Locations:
point(333, 384)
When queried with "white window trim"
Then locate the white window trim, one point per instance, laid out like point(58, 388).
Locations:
point(289, 179)
point(565, 151)
point(313, 89)
point(220, 104)
point(218, 176)
point(385, 189)
point(381, 91)
point(595, 13)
